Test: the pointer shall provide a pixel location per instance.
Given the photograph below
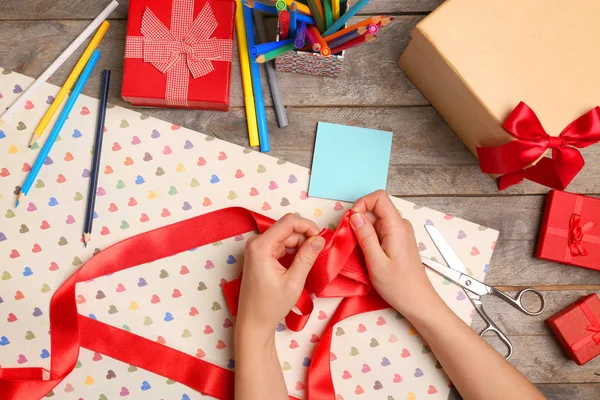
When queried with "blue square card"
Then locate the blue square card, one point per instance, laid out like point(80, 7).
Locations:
point(349, 162)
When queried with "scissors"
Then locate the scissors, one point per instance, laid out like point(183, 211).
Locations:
point(456, 272)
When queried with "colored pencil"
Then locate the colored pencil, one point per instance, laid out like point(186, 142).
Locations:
point(302, 8)
point(68, 85)
point(335, 9)
point(261, 116)
point(318, 17)
point(366, 22)
point(271, 55)
point(325, 50)
point(60, 122)
point(337, 25)
point(293, 18)
point(266, 47)
point(280, 5)
point(271, 76)
point(56, 64)
point(300, 39)
point(312, 39)
point(319, 4)
point(273, 10)
point(284, 24)
point(353, 43)
point(89, 215)
point(327, 13)
point(349, 36)
point(240, 31)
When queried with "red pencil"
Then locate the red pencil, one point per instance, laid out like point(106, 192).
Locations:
point(353, 43)
point(284, 24)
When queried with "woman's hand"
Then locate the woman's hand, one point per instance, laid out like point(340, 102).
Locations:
point(269, 290)
point(390, 248)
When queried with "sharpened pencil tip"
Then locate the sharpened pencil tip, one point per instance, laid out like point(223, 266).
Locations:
point(17, 204)
point(260, 59)
point(86, 238)
point(32, 141)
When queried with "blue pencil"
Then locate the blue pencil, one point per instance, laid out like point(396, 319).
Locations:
point(266, 47)
point(337, 25)
point(89, 215)
point(293, 19)
point(261, 116)
point(60, 122)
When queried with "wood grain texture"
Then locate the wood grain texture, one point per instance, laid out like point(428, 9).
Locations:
point(429, 164)
point(88, 9)
point(29, 47)
point(562, 391)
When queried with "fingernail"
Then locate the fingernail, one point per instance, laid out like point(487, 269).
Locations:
point(357, 220)
point(317, 244)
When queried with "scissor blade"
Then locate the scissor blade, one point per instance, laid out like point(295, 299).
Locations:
point(447, 272)
point(445, 249)
point(471, 285)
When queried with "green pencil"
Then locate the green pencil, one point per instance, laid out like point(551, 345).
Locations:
point(268, 56)
point(314, 10)
point(328, 13)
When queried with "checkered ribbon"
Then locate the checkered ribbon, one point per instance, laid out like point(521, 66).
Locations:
point(186, 47)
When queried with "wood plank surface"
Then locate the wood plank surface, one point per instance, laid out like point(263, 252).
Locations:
point(86, 9)
point(429, 164)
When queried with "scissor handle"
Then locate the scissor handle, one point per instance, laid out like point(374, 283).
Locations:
point(517, 302)
point(492, 327)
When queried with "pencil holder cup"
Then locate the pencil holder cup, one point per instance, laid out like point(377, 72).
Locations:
point(309, 63)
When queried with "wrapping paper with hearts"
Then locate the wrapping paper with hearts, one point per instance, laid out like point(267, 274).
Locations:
point(155, 173)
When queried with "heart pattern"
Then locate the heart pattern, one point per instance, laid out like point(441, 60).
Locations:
point(179, 301)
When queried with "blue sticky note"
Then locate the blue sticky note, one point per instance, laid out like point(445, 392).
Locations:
point(349, 162)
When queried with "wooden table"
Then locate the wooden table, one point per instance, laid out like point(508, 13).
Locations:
point(429, 164)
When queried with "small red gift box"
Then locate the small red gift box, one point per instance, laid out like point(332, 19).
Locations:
point(570, 230)
point(178, 53)
point(577, 328)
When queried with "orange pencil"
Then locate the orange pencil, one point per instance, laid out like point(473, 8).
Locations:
point(366, 22)
point(320, 7)
point(325, 50)
point(353, 43)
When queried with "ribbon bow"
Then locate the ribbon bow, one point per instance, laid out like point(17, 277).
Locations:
point(187, 46)
point(594, 325)
point(515, 158)
point(576, 233)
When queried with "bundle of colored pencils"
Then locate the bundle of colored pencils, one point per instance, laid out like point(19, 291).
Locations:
point(315, 25)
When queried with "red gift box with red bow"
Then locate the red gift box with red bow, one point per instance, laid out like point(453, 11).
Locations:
point(570, 231)
point(178, 53)
point(577, 328)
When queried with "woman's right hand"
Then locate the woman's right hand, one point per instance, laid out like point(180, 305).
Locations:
point(390, 248)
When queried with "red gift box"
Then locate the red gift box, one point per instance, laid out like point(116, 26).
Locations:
point(570, 231)
point(577, 328)
point(178, 53)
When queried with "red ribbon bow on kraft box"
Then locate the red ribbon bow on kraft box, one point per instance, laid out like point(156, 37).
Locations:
point(578, 330)
point(515, 160)
point(179, 61)
point(339, 271)
point(570, 230)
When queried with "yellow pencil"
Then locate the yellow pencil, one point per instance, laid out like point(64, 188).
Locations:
point(335, 9)
point(240, 31)
point(39, 131)
point(303, 8)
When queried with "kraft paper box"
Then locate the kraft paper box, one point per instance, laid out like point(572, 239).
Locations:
point(476, 60)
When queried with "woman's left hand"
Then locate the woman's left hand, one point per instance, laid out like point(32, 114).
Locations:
point(269, 290)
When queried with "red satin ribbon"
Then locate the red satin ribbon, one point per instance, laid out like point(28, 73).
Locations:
point(576, 234)
point(339, 271)
point(515, 158)
point(594, 327)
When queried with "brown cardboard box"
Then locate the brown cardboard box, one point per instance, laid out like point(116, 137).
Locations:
point(475, 60)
